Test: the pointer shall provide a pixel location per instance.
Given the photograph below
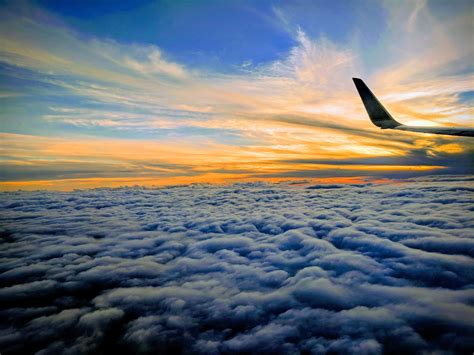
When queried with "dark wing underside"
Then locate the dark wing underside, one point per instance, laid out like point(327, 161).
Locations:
point(466, 132)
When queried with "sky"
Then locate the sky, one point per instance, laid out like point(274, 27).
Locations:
point(102, 93)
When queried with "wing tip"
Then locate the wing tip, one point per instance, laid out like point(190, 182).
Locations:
point(376, 111)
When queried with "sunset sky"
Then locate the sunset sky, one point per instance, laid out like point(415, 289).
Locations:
point(102, 93)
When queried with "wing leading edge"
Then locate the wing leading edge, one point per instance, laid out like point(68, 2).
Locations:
point(382, 118)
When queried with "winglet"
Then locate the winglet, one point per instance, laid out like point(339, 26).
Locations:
point(377, 113)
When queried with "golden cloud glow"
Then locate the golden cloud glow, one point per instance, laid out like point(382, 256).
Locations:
point(116, 163)
point(296, 116)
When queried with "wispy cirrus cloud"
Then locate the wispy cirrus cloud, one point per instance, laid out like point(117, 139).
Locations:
point(300, 103)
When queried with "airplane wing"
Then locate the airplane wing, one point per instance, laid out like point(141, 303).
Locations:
point(382, 118)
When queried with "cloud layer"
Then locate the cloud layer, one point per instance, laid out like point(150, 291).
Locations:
point(281, 268)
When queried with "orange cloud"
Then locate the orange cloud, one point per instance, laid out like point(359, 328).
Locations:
point(300, 107)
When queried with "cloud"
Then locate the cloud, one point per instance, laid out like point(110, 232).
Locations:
point(366, 268)
point(298, 104)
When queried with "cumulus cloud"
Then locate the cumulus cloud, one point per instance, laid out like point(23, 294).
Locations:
point(254, 267)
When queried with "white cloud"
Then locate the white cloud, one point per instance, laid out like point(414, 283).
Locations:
point(270, 267)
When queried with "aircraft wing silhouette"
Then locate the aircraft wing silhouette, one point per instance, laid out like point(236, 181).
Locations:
point(382, 118)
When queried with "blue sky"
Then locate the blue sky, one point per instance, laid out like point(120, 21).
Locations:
point(259, 82)
point(222, 33)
